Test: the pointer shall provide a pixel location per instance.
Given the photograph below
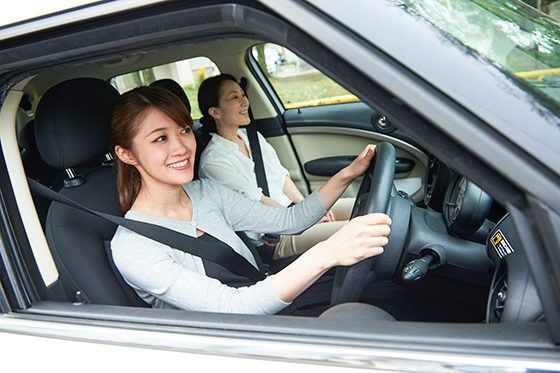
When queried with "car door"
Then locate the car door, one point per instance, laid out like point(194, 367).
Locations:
point(328, 127)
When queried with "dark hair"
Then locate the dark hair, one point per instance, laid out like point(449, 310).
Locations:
point(209, 96)
point(129, 111)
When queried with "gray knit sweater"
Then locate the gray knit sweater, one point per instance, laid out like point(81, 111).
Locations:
point(170, 278)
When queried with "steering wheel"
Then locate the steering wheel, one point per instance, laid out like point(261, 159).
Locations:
point(373, 196)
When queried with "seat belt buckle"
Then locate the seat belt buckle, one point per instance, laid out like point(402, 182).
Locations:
point(271, 239)
point(267, 248)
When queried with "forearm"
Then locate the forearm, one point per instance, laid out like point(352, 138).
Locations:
point(299, 275)
point(333, 189)
point(290, 189)
point(270, 202)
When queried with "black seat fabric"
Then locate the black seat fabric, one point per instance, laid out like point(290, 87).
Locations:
point(72, 128)
point(175, 88)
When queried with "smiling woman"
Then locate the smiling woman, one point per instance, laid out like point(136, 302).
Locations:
point(163, 124)
point(153, 141)
point(460, 90)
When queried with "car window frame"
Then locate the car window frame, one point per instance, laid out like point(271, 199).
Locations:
point(279, 326)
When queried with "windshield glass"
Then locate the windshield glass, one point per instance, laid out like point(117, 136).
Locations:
point(517, 38)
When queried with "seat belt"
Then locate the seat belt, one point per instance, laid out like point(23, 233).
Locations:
point(267, 250)
point(255, 146)
point(257, 155)
point(227, 258)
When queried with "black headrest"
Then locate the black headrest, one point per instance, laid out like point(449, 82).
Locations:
point(173, 87)
point(72, 123)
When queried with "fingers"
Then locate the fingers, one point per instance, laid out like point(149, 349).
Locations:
point(374, 219)
point(363, 237)
point(327, 218)
point(368, 153)
point(361, 163)
point(372, 231)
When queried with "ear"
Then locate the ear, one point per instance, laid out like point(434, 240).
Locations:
point(215, 112)
point(124, 155)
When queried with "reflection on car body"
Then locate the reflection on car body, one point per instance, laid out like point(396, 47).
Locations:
point(469, 93)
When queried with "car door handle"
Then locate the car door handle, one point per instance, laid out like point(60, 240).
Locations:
point(331, 165)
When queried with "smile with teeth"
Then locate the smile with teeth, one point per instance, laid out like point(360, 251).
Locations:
point(179, 164)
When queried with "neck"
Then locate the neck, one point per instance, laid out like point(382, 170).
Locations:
point(228, 132)
point(170, 202)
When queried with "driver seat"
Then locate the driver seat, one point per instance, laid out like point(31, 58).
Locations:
point(72, 128)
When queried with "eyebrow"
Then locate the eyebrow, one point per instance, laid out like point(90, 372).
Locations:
point(234, 91)
point(155, 130)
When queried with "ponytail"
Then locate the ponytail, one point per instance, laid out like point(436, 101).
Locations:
point(208, 126)
point(129, 183)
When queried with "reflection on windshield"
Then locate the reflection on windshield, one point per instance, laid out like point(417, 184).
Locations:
point(512, 35)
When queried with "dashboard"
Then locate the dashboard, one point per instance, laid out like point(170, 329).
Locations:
point(471, 214)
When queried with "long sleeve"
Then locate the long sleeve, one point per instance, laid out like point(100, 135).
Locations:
point(169, 278)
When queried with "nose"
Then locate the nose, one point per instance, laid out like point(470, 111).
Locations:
point(179, 146)
point(245, 101)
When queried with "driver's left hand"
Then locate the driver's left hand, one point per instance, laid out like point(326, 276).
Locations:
point(359, 166)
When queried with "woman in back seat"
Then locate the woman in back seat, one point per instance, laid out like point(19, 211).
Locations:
point(227, 160)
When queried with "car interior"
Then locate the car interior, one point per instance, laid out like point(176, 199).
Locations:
point(453, 242)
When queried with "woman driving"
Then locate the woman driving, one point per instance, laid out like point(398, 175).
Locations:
point(155, 152)
point(227, 160)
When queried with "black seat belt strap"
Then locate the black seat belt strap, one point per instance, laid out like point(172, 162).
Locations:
point(255, 147)
point(225, 257)
point(257, 157)
point(267, 250)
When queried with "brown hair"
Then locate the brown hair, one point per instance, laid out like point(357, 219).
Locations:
point(129, 111)
point(208, 97)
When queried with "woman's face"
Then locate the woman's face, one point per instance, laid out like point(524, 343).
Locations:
point(163, 151)
point(234, 106)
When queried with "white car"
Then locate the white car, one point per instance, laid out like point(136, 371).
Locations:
point(464, 91)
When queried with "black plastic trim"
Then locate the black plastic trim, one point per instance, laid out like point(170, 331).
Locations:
point(331, 165)
point(528, 223)
point(356, 115)
point(270, 127)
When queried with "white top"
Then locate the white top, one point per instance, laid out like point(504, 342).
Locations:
point(223, 162)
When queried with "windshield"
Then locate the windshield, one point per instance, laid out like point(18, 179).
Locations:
point(517, 38)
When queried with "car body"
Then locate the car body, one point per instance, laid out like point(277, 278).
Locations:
point(455, 115)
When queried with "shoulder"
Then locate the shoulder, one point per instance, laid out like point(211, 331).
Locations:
point(202, 188)
point(217, 149)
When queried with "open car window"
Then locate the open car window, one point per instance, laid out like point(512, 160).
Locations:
point(297, 83)
point(189, 73)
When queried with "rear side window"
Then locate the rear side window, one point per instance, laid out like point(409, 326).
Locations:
point(188, 73)
point(297, 83)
